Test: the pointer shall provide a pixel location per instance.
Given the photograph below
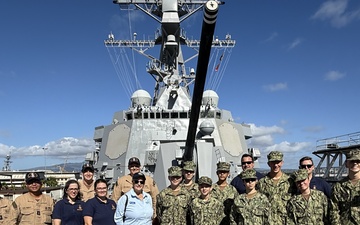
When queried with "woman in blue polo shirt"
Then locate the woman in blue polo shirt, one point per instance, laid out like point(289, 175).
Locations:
point(135, 207)
point(68, 211)
point(99, 210)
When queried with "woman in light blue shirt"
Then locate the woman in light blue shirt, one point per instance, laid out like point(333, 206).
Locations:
point(135, 207)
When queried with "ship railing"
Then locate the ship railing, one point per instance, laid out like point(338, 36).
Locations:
point(332, 152)
point(341, 141)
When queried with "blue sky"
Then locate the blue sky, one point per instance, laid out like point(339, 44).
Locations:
point(293, 74)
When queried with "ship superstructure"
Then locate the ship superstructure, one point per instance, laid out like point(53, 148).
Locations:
point(171, 127)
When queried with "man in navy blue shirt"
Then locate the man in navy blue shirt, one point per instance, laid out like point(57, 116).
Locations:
point(247, 162)
point(317, 183)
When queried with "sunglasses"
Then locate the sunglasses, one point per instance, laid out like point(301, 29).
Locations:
point(246, 163)
point(33, 181)
point(306, 166)
point(139, 181)
point(250, 180)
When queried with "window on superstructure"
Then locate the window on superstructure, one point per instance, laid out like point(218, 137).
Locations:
point(152, 115)
point(129, 116)
point(138, 115)
point(165, 115)
point(210, 114)
point(183, 115)
point(174, 115)
point(158, 115)
point(218, 115)
point(146, 115)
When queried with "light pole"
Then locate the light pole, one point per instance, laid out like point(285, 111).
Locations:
point(45, 157)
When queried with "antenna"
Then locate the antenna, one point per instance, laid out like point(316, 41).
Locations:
point(7, 162)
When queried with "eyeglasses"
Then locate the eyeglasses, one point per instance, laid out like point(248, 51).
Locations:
point(139, 181)
point(101, 188)
point(175, 177)
point(355, 161)
point(72, 189)
point(306, 166)
point(246, 163)
point(250, 180)
point(188, 171)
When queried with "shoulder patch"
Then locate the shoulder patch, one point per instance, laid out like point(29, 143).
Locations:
point(14, 205)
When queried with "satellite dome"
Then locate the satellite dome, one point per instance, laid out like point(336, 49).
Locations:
point(140, 97)
point(207, 127)
point(210, 97)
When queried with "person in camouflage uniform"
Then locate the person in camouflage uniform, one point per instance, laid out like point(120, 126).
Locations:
point(188, 183)
point(252, 207)
point(223, 191)
point(172, 203)
point(204, 209)
point(308, 206)
point(345, 198)
point(278, 187)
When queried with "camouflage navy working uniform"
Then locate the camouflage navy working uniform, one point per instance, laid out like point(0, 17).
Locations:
point(345, 199)
point(26, 210)
point(172, 208)
point(278, 193)
point(313, 210)
point(193, 189)
point(250, 211)
point(206, 212)
point(5, 205)
point(227, 195)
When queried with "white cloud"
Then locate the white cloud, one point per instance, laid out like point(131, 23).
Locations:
point(262, 130)
point(275, 87)
point(335, 12)
point(295, 43)
point(263, 136)
point(5, 149)
point(272, 36)
point(263, 139)
point(66, 147)
point(334, 75)
point(286, 146)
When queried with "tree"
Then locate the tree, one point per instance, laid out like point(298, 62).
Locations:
point(50, 182)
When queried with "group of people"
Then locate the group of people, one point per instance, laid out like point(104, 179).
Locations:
point(250, 198)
